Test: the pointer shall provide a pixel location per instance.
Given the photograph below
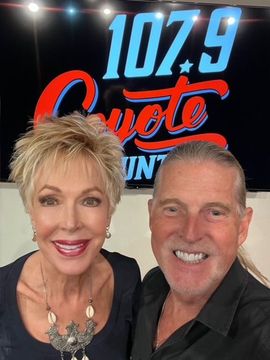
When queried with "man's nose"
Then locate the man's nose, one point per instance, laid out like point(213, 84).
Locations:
point(192, 230)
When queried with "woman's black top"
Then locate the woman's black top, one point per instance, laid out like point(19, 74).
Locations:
point(112, 342)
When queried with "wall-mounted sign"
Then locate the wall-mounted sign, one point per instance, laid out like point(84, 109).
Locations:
point(157, 73)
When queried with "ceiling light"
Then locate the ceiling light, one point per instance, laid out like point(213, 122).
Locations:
point(33, 7)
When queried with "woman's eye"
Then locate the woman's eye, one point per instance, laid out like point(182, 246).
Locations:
point(91, 202)
point(48, 201)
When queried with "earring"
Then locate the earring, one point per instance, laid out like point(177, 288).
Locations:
point(108, 234)
point(34, 238)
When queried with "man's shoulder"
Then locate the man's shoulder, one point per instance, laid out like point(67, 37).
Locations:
point(241, 289)
point(253, 315)
point(257, 296)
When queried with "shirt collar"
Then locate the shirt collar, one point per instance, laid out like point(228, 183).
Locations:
point(219, 311)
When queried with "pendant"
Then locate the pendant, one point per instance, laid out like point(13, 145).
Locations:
point(51, 317)
point(83, 358)
point(90, 311)
point(73, 340)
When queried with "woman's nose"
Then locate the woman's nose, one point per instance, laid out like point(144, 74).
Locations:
point(70, 218)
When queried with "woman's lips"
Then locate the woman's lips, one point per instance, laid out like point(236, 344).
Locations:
point(71, 248)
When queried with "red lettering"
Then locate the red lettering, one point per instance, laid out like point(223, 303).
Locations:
point(194, 112)
point(151, 117)
point(149, 113)
point(49, 100)
point(167, 144)
point(125, 130)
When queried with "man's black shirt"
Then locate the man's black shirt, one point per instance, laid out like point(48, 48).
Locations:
point(234, 324)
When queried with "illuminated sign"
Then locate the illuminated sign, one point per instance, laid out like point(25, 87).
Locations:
point(158, 75)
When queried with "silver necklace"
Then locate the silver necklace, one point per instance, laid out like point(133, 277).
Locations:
point(157, 342)
point(73, 340)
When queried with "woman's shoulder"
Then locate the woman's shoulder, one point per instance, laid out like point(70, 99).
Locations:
point(12, 268)
point(4, 271)
point(154, 281)
point(9, 274)
point(126, 269)
point(153, 274)
point(120, 260)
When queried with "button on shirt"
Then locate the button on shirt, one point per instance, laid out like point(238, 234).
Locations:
point(234, 324)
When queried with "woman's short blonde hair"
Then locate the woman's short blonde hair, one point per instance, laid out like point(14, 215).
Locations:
point(68, 137)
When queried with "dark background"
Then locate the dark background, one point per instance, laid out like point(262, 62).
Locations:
point(34, 52)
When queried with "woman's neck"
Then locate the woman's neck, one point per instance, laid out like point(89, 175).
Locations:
point(67, 287)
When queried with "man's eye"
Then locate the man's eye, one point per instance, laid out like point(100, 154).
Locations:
point(216, 213)
point(171, 210)
point(48, 201)
point(91, 202)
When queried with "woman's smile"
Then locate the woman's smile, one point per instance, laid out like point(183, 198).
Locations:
point(71, 248)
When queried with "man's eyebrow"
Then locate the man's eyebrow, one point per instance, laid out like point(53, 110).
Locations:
point(218, 204)
point(176, 201)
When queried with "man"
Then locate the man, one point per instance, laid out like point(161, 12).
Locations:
point(200, 303)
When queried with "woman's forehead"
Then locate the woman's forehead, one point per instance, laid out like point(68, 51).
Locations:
point(61, 167)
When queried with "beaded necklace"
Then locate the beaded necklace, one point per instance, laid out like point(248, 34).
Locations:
point(73, 340)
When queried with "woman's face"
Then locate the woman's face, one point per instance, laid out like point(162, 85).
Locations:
point(70, 212)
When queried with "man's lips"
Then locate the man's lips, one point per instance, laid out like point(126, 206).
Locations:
point(191, 257)
point(71, 248)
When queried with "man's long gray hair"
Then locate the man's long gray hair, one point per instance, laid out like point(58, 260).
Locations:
point(201, 151)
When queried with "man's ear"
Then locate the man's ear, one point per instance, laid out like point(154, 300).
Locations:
point(244, 226)
point(150, 204)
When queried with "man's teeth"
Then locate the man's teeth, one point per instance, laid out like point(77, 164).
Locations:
point(191, 258)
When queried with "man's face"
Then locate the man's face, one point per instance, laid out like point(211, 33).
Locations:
point(196, 228)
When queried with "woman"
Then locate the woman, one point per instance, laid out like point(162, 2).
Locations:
point(70, 299)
